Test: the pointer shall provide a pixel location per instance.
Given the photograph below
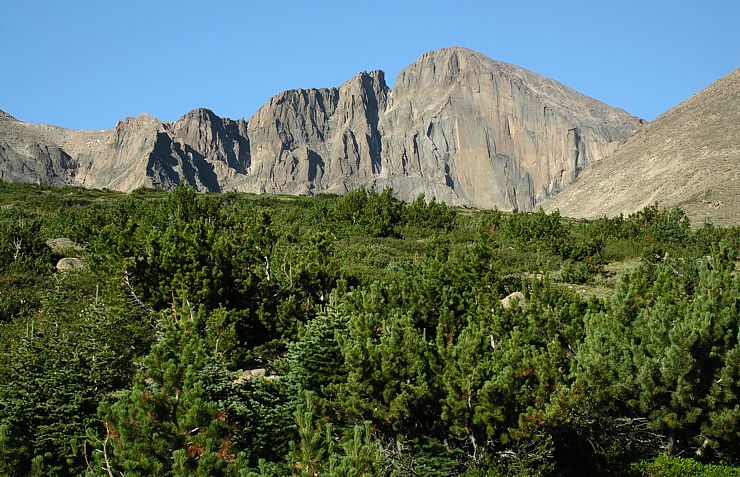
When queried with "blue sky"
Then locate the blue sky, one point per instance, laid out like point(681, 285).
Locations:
point(87, 64)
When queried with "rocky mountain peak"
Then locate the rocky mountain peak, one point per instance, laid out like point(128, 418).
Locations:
point(199, 115)
point(145, 117)
point(198, 119)
point(141, 121)
point(368, 79)
point(441, 67)
point(201, 135)
point(457, 126)
point(459, 67)
point(494, 134)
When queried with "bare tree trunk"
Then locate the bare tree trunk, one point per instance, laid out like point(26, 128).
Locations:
point(671, 445)
point(132, 292)
point(107, 468)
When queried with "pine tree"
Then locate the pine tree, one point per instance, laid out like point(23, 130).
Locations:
point(315, 359)
point(320, 451)
point(665, 350)
point(165, 424)
point(389, 363)
point(58, 373)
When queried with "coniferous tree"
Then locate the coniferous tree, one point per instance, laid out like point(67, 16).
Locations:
point(58, 373)
point(390, 366)
point(321, 451)
point(165, 424)
point(662, 348)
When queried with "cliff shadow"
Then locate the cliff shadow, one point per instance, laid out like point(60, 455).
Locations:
point(171, 163)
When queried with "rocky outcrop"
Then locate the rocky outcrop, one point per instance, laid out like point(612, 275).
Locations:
point(64, 246)
point(214, 146)
point(688, 157)
point(29, 157)
point(35, 162)
point(200, 149)
point(6, 117)
point(458, 126)
point(516, 297)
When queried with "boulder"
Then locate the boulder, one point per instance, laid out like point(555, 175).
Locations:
point(508, 301)
point(250, 374)
point(71, 264)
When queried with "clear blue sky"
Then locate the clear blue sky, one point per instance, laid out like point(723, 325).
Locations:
point(87, 64)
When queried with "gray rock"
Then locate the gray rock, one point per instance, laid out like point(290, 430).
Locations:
point(71, 264)
point(318, 140)
point(458, 127)
point(689, 157)
point(63, 245)
point(508, 301)
point(250, 374)
point(491, 134)
point(6, 117)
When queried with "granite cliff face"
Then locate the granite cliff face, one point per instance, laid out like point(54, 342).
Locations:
point(317, 140)
point(26, 155)
point(688, 157)
point(458, 126)
point(200, 149)
point(477, 132)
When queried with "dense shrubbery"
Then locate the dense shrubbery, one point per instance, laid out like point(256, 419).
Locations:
point(379, 214)
point(358, 335)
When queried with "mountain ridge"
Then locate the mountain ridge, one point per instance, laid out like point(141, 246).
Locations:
point(457, 126)
point(688, 157)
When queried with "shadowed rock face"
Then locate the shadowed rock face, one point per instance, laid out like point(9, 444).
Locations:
point(29, 157)
point(308, 141)
point(458, 126)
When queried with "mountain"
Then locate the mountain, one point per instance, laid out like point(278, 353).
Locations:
point(458, 126)
point(200, 148)
point(687, 157)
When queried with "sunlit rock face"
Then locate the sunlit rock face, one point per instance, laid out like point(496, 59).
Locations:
point(688, 157)
point(457, 126)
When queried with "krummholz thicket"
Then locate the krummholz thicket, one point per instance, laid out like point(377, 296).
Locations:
point(247, 335)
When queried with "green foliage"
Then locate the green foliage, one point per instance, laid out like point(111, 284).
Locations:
point(390, 366)
point(315, 360)
point(56, 377)
point(188, 346)
point(578, 272)
point(379, 214)
point(661, 225)
point(667, 466)
point(667, 348)
point(22, 247)
point(536, 230)
point(431, 216)
point(319, 452)
point(165, 424)
point(376, 214)
point(504, 375)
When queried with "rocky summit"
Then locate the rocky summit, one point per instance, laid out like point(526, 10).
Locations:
point(688, 157)
point(457, 126)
